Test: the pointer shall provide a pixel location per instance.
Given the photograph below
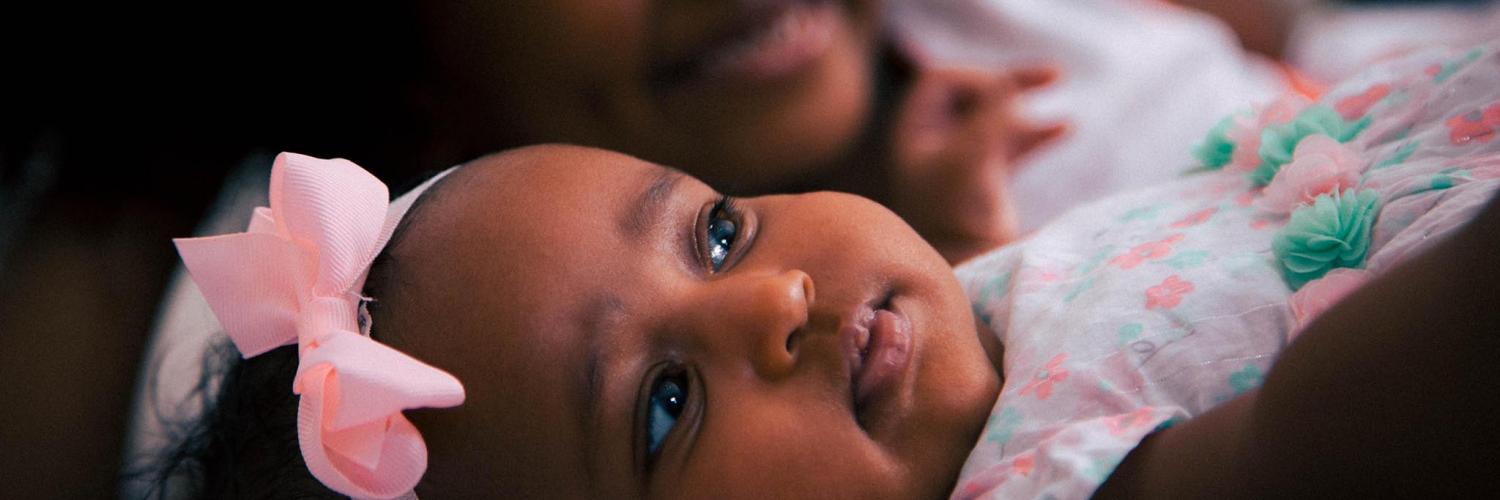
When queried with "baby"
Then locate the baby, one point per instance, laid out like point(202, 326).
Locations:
point(620, 329)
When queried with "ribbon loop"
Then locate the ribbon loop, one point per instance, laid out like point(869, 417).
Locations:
point(293, 277)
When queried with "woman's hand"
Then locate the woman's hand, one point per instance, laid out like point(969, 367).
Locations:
point(955, 140)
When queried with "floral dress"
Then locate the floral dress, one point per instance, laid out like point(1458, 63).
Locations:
point(1136, 312)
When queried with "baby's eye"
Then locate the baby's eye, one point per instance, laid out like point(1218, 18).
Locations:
point(667, 399)
point(721, 233)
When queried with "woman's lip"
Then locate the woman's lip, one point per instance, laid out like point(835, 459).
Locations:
point(775, 41)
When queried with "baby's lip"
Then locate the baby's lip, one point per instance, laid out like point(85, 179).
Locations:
point(877, 343)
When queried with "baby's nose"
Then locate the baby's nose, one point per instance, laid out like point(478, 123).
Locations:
point(766, 315)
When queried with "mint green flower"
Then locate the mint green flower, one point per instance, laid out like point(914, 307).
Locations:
point(1216, 149)
point(1002, 425)
point(1277, 142)
point(1450, 68)
point(1129, 332)
point(1246, 379)
point(1332, 232)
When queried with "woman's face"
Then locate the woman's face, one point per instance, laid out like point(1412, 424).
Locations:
point(747, 94)
point(622, 330)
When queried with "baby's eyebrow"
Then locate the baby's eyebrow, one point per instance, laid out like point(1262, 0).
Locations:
point(650, 205)
point(603, 314)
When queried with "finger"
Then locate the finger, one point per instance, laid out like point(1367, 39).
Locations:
point(1032, 77)
point(1031, 138)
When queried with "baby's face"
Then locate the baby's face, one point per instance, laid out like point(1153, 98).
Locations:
point(622, 331)
point(749, 95)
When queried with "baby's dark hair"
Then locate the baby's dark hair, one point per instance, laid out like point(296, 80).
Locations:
point(244, 442)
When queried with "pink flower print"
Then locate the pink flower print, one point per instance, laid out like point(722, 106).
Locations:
point(1317, 296)
point(1216, 190)
point(1195, 218)
point(1049, 375)
point(1168, 294)
point(1354, 107)
point(1245, 134)
point(1152, 250)
point(1035, 279)
point(1040, 274)
point(1492, 115)
point(1245, 199)
point(985, 481)
point(1024, 463)
point(1470, 127)
point(1433, 70)
point(1319, 165)
point(1260, 223)
point(1120, 424)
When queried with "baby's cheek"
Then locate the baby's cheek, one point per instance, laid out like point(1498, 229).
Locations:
point(773, 450)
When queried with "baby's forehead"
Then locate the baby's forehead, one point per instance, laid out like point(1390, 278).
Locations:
point(508, 216)
point(553, 169)
point(507, 253)
point(528, 182)
point(508, 243)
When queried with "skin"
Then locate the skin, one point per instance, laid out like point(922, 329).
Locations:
point(586, 72)
point(1262, 26)
point(581, 71)
point(952, 150)
point(521, 258)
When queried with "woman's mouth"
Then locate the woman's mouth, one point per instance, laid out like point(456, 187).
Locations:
point(878, 345)
point(773, 42)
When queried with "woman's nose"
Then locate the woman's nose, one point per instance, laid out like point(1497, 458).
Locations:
point(759, 317)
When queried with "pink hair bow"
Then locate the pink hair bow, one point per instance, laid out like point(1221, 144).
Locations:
point(296, 276)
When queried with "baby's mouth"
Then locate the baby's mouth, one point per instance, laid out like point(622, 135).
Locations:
point(877, 345)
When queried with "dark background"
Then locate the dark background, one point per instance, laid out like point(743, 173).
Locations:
point(118, 126)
